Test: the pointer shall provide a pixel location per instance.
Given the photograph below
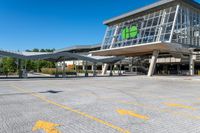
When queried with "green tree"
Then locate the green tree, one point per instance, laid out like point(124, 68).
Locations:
point(39, 64)
point(42, 50)
point(31, 65)
point(35, 50)
point(1, 66)
point(28, 50)
point(9, 65)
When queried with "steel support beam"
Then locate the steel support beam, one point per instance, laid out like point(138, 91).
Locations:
point(174, 23)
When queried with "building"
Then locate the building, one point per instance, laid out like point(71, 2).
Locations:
point(166, 32)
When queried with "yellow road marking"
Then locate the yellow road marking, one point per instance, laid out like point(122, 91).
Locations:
point(131, 113)
point(46, 126)
point(179, 106)
point(73, 110)
point(186, 115)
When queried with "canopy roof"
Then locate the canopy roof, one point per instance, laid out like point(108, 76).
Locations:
point(58, 56)
point(80, 48)
point(142, 49)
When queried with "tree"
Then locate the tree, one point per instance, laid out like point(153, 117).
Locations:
point(42, 50)
point(9, 65)
point(35, 50)
point(28, 50)
point(1, 66)
point(31, 65)
point(39, 64)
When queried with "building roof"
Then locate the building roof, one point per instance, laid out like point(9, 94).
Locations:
point(60, 55)
point(79, 48)
point(143, 49)
point(149, 7)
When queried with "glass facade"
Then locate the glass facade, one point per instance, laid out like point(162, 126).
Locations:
point(178, 24)
point(187, 27)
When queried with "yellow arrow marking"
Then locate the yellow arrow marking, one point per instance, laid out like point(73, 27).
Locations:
point(131, 113)
point(179, 106)
point(46, 126)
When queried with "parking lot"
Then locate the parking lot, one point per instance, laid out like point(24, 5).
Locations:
point(130, 104)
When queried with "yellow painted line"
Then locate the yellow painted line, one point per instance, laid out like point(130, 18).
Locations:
point(131, 113)
point(119, 129)
point(179, 106)
point(185, 115)
point(46, 126)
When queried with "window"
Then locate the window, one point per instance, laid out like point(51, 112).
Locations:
point(148, 28)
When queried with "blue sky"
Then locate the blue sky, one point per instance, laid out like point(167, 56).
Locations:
point(28, 24)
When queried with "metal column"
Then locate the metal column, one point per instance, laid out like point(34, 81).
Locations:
point(178, 69)
point(83, 65)
point(191, 65)
point(38, 66)
point(25, 74)
point(111, 74)
point(86, 69)
point(56, 74)
point(94, 66)
point(63, 69)
point(120, 68)
point(20, 68)
point(76, 70)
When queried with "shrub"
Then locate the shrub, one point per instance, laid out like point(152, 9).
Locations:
point(52, 71)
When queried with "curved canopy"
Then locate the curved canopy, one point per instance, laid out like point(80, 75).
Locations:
point(58, 56)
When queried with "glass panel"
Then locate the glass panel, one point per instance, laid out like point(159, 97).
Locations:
point(187, 27)
point(152, 27)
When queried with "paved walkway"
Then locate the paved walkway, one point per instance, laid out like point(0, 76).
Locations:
point(131, 104)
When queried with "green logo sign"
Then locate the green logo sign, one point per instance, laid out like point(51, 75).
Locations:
point(128, 33)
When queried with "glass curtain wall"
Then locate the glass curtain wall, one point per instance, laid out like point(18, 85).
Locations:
point(152, 27)
point(187, 28)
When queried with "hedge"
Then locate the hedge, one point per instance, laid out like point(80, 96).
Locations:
point(52, 71)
